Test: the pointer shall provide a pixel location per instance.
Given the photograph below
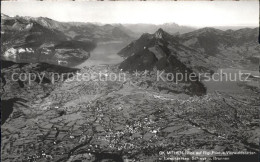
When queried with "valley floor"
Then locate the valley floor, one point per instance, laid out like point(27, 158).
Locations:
point(120, 121)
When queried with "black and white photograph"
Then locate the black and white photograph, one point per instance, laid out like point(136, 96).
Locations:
point(130, 81)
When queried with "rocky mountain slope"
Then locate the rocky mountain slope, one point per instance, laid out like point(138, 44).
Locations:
point(164, 52)
point(164, 49)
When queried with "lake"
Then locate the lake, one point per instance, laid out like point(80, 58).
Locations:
point(105, 53)
point(227, 85)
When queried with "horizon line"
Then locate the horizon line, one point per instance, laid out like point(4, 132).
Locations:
point(121, 23)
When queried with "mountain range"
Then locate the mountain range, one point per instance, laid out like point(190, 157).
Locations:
point(28, 39)
point(171, 28)
point(203, 50)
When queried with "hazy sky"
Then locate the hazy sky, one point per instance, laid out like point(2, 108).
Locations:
point(200, 14)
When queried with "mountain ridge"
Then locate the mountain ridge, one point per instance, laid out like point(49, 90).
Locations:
point(39, 39)
point(206, 44)
point(201, 51)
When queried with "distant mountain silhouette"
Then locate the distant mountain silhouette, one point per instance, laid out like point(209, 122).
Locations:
point(171, 28)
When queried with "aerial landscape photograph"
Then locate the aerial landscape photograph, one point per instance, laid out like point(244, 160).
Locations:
point(130, 81)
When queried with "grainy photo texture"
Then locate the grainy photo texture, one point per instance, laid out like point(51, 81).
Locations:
point(130, 81)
